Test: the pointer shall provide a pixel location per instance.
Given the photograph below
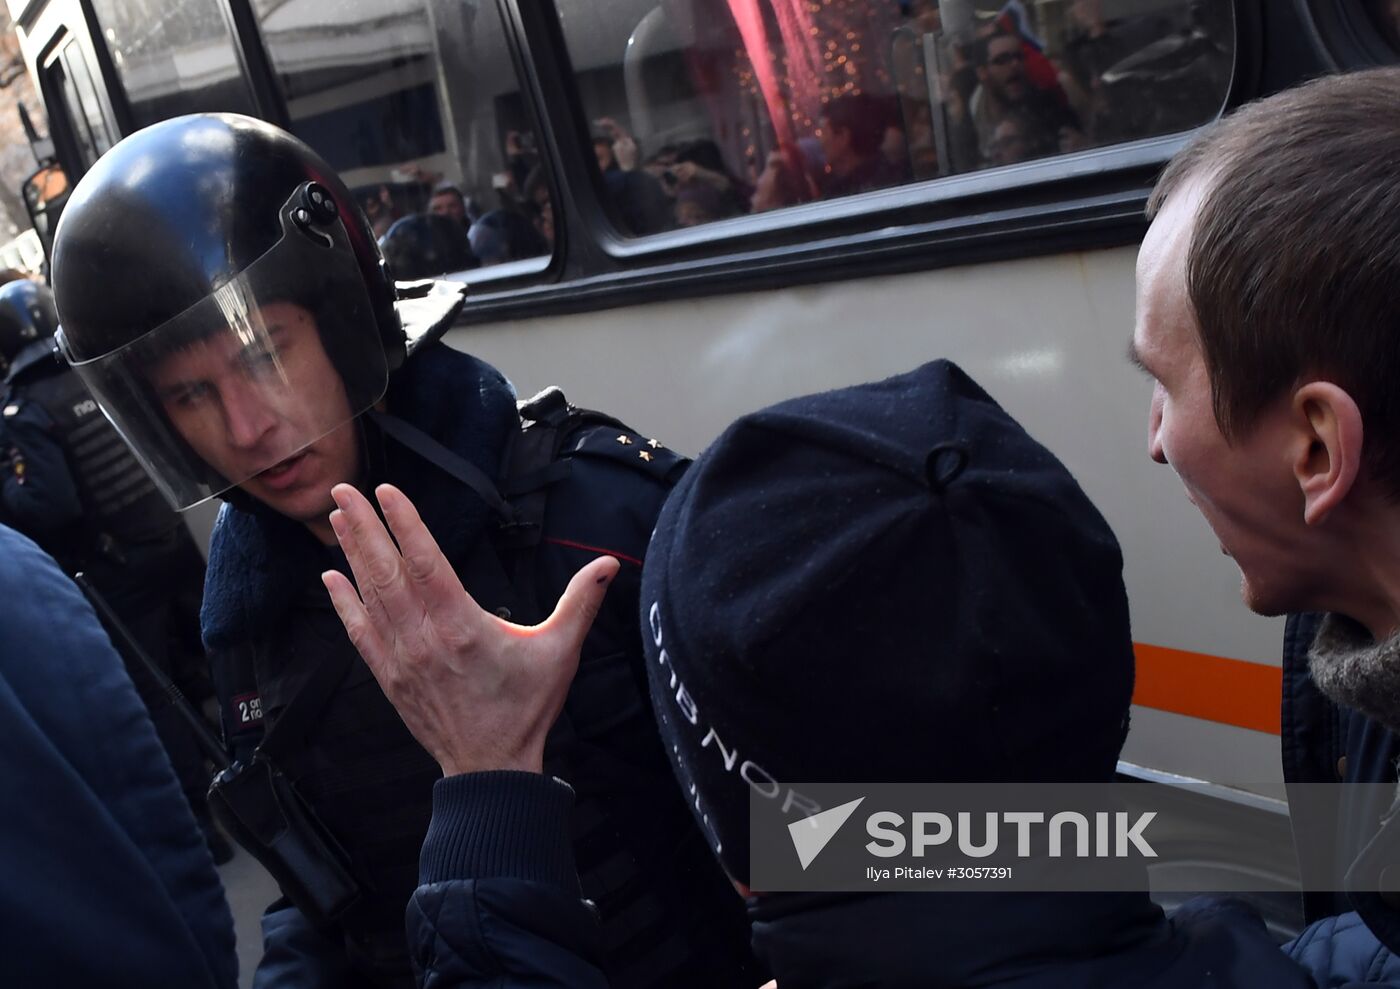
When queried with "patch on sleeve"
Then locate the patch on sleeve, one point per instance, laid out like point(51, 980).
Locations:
point(245, 713)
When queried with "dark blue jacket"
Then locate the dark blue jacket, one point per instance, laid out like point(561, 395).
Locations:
point(1353, 934)
point(108, 881)
point(38, 492)
point(499, 906)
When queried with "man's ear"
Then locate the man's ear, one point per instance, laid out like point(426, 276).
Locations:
point(1328, 458)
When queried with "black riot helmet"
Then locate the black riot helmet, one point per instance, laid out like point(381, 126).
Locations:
point(26, 315)
point(190, 267)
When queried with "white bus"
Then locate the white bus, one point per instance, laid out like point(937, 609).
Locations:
point(687, 209)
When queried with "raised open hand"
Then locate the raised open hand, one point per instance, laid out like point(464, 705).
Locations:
point(477, 692)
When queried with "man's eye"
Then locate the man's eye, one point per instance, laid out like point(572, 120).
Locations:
point(190, 396)
point(260, 360)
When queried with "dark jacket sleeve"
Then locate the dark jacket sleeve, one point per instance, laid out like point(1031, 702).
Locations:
point(296, 955)
point(499, 902)
point(107, 878)
point(37, 489)
point(1341, 952)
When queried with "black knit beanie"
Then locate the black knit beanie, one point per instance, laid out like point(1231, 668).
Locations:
point(885, 583)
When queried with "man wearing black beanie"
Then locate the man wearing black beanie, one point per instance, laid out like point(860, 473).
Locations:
point(887, 582)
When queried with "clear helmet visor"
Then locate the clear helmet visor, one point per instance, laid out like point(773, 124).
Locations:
point(237, 387)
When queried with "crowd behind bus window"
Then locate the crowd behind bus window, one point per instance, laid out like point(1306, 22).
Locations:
point(748, 106)
point(515, 223)
point(808, 100)
point(700, 110)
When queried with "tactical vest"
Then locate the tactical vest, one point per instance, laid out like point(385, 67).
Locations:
point(669, 921)
point(118, 498)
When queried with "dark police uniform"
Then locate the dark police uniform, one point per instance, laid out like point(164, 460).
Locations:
point(71, 484)
point(669, 917)
point(279, 227)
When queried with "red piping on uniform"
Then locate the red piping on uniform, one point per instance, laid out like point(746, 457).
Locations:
point(595, 549)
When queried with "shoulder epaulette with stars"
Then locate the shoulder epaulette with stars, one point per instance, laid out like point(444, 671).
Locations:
point(637, 451)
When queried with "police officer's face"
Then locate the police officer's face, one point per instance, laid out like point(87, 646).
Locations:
point(248, 408)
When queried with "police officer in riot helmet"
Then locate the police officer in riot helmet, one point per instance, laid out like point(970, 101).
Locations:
point(71, 484)
point(224, 298)
point(26, 317)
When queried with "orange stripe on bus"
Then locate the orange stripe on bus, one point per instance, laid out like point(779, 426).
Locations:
point(1229, 691)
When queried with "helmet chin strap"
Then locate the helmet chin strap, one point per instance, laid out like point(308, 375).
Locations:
point(453, 464)
point(373, 462)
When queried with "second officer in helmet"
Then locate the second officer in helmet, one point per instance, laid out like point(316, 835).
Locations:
point(224, 299)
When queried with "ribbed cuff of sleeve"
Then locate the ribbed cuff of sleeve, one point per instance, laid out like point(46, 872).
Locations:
point(500, 825)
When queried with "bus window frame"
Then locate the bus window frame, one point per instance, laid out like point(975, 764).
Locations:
point(62, 128)
point(56, 24)
point(1347, 33)
point(255, 62)
point(69, 59)
point(247, 51)
point(561, 151)
point(59, 23)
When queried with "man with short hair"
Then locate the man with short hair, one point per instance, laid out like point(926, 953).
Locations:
point(1267, 322)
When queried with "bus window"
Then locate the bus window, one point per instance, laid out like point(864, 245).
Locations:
point(66, 74)
point(726, 107)
point(417, 105)
point(173, 57)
